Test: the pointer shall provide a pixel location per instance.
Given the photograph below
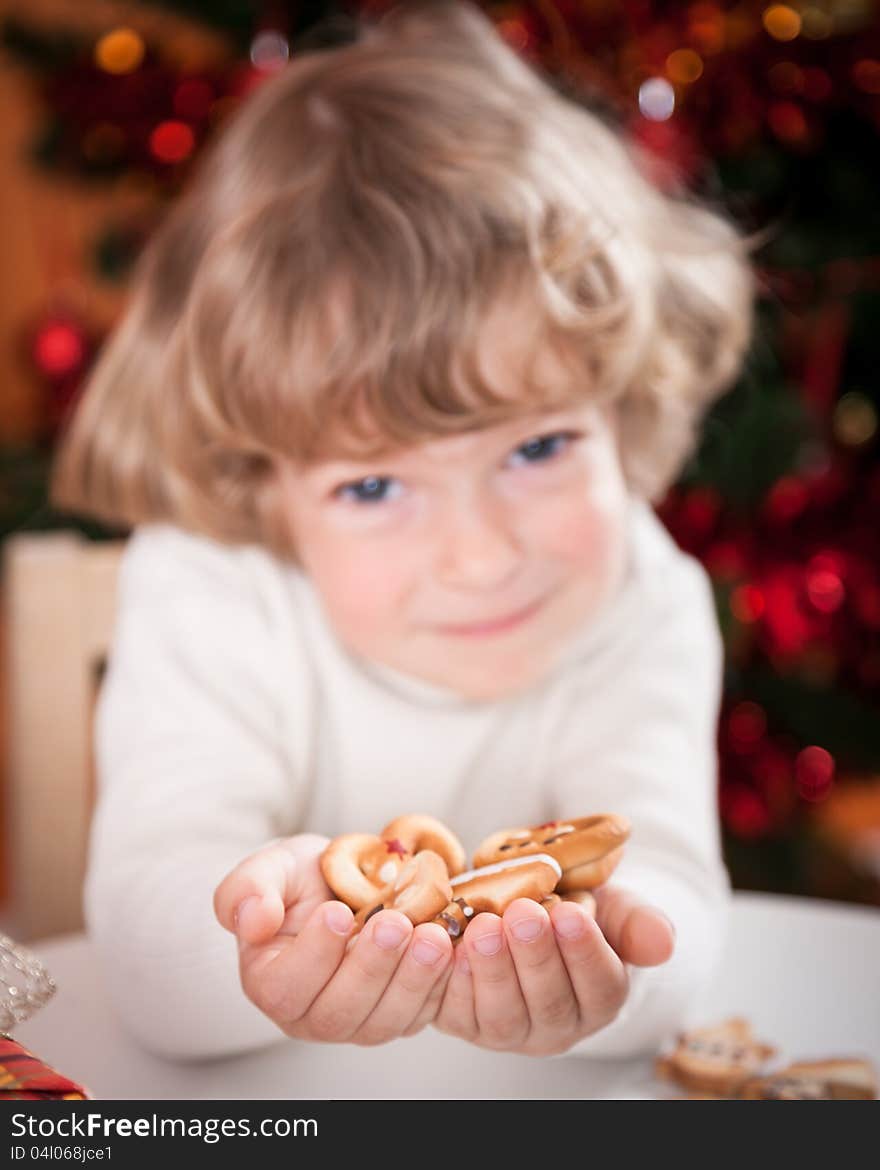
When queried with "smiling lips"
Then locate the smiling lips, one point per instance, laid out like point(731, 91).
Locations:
point(501, 625)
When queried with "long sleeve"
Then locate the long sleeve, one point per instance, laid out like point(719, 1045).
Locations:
point(644, 745)
point(192, 776)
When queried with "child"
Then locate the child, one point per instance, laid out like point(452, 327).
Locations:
point(400, 375)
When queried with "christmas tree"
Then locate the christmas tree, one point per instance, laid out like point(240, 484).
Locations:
point(772, 113)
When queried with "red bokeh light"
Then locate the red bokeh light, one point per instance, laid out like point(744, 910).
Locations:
point(814, 773)
point(747, 603)
point(59, 349)
point(743, 811)
point(172, 142)
point(746, 727)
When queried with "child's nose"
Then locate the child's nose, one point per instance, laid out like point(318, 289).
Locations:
point(478, 545)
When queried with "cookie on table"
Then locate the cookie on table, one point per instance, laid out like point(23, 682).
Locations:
point(715, 1061)
point(838, 1079)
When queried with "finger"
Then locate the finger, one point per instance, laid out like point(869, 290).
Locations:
point(274, 878)
point(428, 954)
point(284, 977)
point(360, 982)
point(598, 977)
point(542, 975)
point(502, 1016)
point(251, 900)
point(639, 933)
point(457, 1013)
point(431, 1007)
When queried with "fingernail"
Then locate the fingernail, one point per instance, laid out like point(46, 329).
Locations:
point(569, 923)
point(388, 935)
point(526, 929)
point(245, 910)
point(338, 917)
point(488, 944)
point(425, 952)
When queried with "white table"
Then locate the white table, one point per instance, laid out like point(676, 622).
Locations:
point(806, 973)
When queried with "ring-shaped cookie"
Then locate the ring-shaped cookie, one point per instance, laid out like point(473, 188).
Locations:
point(420, 890)
point(358, 867)
point(418, 831)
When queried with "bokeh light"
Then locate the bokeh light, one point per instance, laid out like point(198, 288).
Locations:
point(814, 773)
point(171, 142)
point(824, 589)
point(515, 33)
point(656, 99)
point(855, 419)
point(269, 51)
point(781, 22)
point(120, 51)
point(747, 603)
point(59, 348)
point(786, 499)
point(787, 121)
point(786, 77)
point(707, 27)
point(746, 727)
point(684, 66)
point(816, 23)
point(866, 75)
point(818, 86)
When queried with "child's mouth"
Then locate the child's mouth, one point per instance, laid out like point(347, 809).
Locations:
point(497, 626)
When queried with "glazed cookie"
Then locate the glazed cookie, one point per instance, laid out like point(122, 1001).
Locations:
point(493, 887)
point(815, 1080)
point(587, 848)
point(359, 867)
point(715, 1060)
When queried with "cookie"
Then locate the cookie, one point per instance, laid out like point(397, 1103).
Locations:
point(359, 867)
point(837, 1079)
point(493, 887)
point(716, 1060)
point(588, 849)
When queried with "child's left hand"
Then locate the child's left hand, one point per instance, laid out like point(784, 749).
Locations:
point(540, 995)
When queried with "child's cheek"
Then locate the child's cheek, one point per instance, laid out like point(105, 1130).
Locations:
point(589, 547)
point(588, 537)
point(365, 595)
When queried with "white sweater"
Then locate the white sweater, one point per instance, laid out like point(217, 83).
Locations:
point(230, 715)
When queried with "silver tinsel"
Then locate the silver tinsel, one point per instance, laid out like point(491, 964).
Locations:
point(25, 985)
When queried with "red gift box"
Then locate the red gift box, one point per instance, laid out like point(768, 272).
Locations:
point(24, 1077)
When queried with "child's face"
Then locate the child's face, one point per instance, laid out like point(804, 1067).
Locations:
point(416, 557)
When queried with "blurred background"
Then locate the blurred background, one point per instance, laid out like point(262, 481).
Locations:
point(770, 111)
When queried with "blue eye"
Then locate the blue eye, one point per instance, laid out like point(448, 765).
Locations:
point(373, 489)
point(545, 447)
point(369, 490)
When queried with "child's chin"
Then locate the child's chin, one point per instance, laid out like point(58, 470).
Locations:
point(500, 686)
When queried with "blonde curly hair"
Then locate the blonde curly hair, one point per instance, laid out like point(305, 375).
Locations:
point(321, 286)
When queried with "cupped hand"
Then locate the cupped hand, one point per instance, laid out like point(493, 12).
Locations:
point(300, 965)
point(537, 982)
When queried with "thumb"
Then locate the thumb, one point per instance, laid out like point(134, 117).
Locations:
point(253, 900)
point(639, 933)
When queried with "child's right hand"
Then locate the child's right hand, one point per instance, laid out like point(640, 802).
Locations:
point(299, 967)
